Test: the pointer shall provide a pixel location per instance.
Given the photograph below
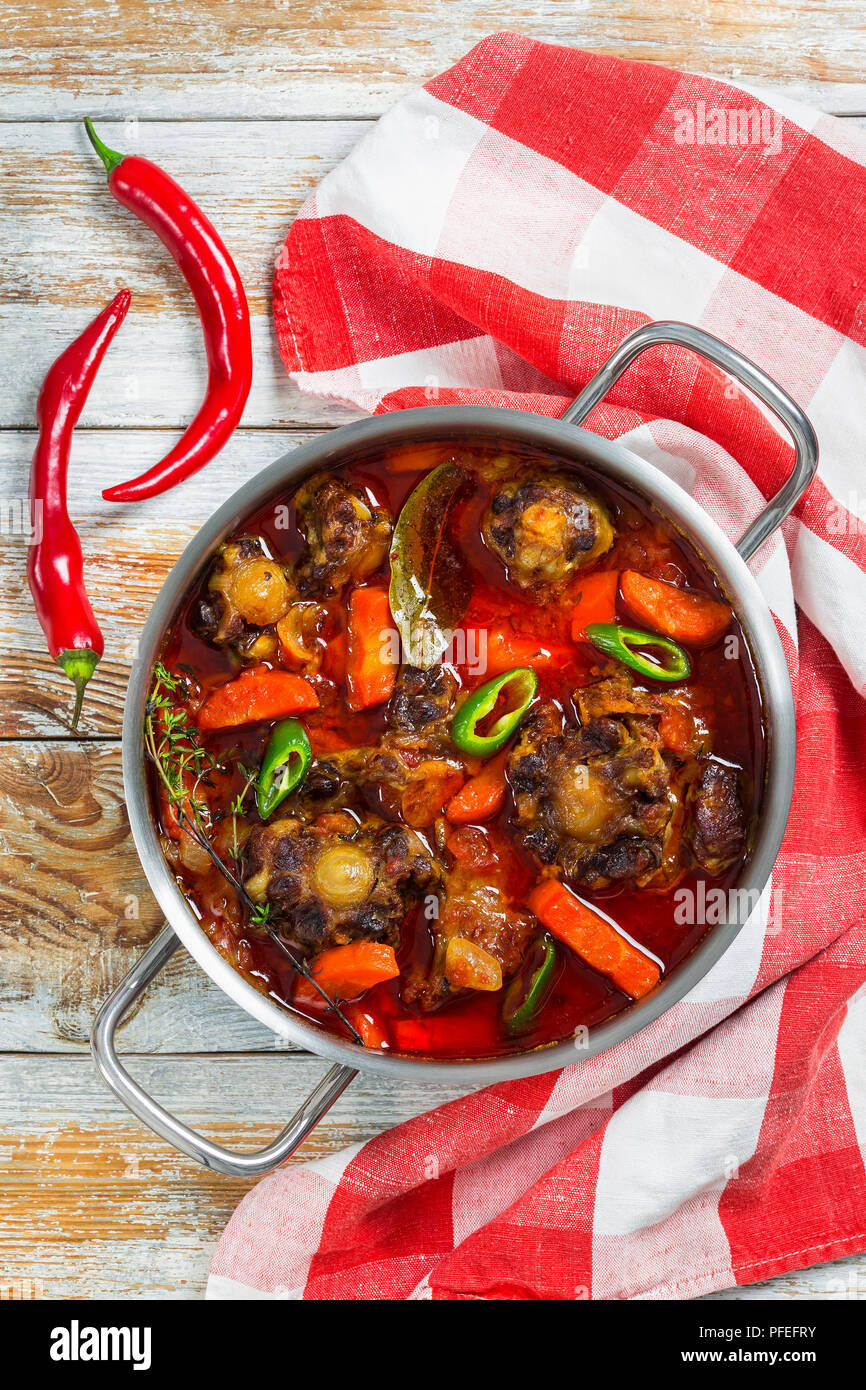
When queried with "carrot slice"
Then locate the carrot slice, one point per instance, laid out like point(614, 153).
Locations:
point(506, 649)
point(596, 602)
point(694, 619)
point(593, 938)
point(371, 669)
point(374, 1033)
point(483, 796)
point(334, 660)
point(677, 729)
point(262, 692)
point(419, 458)
point(344, 972)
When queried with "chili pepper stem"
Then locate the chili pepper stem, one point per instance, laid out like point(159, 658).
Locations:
point(79, 665)
point(109, 157)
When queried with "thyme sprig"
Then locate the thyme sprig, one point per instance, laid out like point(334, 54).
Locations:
point(183, 765)
point(238, 811)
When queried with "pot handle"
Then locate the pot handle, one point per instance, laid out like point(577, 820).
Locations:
point(742, 370)
point(108, 1064)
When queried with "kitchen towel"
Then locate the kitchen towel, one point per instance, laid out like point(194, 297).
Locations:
point(491, 240)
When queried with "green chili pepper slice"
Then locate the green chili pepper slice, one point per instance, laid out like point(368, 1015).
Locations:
point(523, 1002)
point(617, 641)
point(481, 702)
point(287, 757)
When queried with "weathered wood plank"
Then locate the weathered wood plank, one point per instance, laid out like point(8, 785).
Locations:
point(120, 1214)
point(834, 1281)
point(129, 551)
point(66, 247)
point(76, 911)
point(260, 59)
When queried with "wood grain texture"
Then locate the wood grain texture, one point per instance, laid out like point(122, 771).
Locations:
point(66, 247)
point(349, 57)
point(249, 105)
point(76, 911)
point(119, 1213)
point(835, 1281)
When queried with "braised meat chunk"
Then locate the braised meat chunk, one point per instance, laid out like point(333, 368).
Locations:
point(327, 787)
point(347, 537)
point(408, 773)
point(617, 695)
point(413, 770)
point(409, 783)
point(480, 935)
point(336, 880)
point(609, 801)
point(593, 798)
point(545, 528)
point(422, 700)
point(717, 831)
point(411, 767)
point(247, 592)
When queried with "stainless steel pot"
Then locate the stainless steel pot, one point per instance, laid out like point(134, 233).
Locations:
point(563, 438)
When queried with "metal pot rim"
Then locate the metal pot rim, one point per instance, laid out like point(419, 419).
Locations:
point(612, 461)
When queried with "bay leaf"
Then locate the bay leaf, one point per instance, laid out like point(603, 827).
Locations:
point(430, 584)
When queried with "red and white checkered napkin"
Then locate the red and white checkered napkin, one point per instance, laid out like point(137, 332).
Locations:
point(491, 239)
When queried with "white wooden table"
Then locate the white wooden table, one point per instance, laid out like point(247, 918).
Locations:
point(248, 105)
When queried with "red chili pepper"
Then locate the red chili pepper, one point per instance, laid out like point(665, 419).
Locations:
point(55, 568)
point(216, 285)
